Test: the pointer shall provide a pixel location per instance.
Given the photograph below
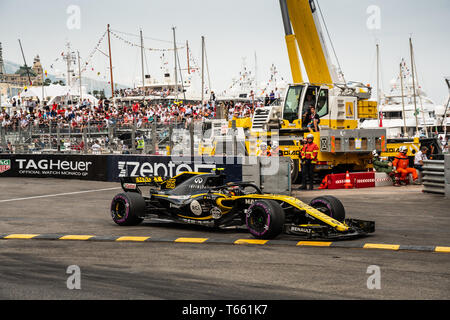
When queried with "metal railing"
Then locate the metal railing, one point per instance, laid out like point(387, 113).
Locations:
point(112, 137)
point(434, 176)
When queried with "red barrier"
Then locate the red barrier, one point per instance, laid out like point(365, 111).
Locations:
point(358, 179)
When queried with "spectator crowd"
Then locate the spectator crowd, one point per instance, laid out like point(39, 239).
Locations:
point(104, 114)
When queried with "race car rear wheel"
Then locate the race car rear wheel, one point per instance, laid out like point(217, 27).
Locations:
point(265, 219)
point(126, 207)
point(330, 206)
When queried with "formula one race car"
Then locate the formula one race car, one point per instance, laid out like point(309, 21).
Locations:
point(204, 199)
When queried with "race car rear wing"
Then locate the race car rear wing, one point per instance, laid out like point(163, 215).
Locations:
point(132, 184)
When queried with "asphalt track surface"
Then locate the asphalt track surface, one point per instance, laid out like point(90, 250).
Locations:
point(36, 269)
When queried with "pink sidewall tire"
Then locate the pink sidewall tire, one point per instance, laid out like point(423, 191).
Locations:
point(265, 219)
point(127, 209)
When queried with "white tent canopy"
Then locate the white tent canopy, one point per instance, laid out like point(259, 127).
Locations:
point(56, 92)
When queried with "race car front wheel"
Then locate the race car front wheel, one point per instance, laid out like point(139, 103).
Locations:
point(265, 219)
point(126, 208)
point(329, 205)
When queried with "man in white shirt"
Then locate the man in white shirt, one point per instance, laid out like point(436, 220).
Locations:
point(420, 156)
point(277, 94)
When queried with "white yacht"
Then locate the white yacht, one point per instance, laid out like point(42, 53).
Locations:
point(188, 83)
point(399, 114)
point(443, 113)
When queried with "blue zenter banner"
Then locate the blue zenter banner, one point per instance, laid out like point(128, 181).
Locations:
point(112, 167)
point(166, 166)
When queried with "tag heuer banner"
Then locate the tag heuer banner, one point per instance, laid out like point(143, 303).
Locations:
point(110, 167)
point(5, 165)
point(53, 166)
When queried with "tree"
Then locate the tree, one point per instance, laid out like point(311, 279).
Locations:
point(47, 82)
point(61, 82)
point(99, 94)
point(22, 71)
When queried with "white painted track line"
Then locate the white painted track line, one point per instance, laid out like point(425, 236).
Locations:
point(59, 194)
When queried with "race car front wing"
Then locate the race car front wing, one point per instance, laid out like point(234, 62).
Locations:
point(356, 228)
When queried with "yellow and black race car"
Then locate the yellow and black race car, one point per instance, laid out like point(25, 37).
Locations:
point(204, 199)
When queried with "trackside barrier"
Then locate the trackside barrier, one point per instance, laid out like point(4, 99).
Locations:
point(447, 175)
point(271, 173)
point(276, 175)
point(434, 176)
point(382, 179)
point(111, 167)
point(358, 179)
point(252, 172)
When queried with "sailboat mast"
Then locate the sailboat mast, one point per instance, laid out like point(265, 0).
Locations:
point(203, 69)
point(43, 95)
point(175, 62)
point(142, 66)
point(444, 117)
point(378, 80)
point(414, 84)
point(187, 56)
point(403, 99)
point(414, 68)
point(256, 74)
point(79, 75)
point(110, 65)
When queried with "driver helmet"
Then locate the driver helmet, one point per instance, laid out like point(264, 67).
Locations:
point(310, 136)
point(375, 153)
point(403, 149)
point(263, 145)
point(274, 144)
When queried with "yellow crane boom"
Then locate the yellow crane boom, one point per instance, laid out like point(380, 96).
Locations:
point(301, 16)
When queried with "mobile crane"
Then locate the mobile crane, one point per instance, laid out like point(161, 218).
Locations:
point(339, 104)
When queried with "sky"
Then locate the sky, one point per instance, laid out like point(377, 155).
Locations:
point(233, 30)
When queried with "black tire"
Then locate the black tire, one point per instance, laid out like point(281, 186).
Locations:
point(126, 209)
point(294, 170)
point(329, 205)
point(265, 219)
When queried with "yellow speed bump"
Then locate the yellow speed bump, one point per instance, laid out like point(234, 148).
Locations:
point(250, 241)
point(20, 236)
point(381, 246)
point(314, 243)
point(191, 240)
point(442, 249)
point(132, 238)
point(75, 237)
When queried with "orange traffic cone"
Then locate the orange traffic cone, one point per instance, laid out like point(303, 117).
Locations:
point(348, 183)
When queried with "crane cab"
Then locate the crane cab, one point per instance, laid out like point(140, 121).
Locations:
point(335, 111)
